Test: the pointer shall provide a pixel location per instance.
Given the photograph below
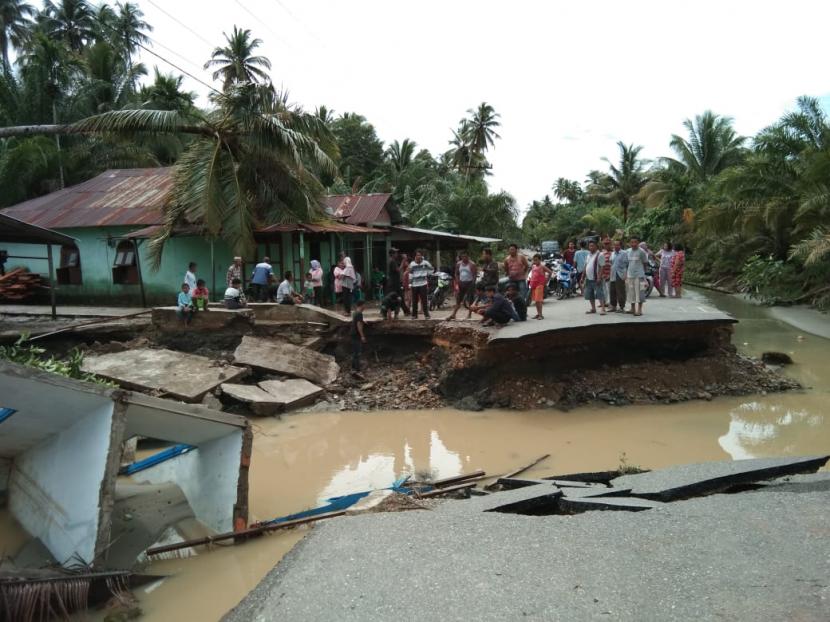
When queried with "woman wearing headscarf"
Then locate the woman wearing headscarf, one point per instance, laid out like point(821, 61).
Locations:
point(317, 281)
point(347, 281)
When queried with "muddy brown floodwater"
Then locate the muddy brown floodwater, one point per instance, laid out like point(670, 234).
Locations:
point(302, 459)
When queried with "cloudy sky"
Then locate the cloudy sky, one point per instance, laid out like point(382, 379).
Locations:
point(569, 79)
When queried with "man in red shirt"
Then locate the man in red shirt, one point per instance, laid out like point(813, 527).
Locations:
point(568, 255)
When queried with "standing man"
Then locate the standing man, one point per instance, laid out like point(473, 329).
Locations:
point(358, 331)
point(666, 256)
point(394, 278)
point(607, 253)
point(592, 279)
point(190, 276)
point(465, 277)
point(619, 269)
point(489, 269)
point(261, 279)
point(234, 271)
point(419, 271)
point(516, 267)
point(637, 263)
point(569, 253)
point(580, 257)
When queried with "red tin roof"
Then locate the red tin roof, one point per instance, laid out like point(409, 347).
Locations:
point(360, 209)
point(120, 197)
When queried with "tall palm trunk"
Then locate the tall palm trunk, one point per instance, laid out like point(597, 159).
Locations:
point(58, 142)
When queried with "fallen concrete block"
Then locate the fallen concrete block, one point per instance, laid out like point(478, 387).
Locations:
point(261, 402)
point(217, 319)
point(595, 491)
point(184, 376)
point(694, 480)
point(288, 359)
point(292, 393)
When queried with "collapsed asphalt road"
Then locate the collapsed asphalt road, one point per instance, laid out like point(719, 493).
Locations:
point(756, 554)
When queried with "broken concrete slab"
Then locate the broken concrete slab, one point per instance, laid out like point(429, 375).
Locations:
point(216, 319)
point(509, 483)
point(184, 376)
point(693, 480)
point(588, 504)
point(261, 402)
point(288, 359)
point(292, 393)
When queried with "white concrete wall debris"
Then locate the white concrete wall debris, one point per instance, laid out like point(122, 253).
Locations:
point(55, 486)
point(208, 477)
point(59, 458)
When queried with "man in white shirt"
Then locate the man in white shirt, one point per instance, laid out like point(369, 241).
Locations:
point(419, 271)
point(592, 281)
point(234, 298)
point(285, 292)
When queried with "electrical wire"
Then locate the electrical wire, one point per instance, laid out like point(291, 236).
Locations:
point(181, 23)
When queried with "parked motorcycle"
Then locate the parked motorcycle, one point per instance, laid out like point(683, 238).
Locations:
point(567, 279)
point(440, 290)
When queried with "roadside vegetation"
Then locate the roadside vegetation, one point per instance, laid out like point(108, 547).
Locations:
point(24, 352)
point(753, 212)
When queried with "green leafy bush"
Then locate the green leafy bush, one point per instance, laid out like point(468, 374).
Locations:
point(769, 280)
point(26, 353)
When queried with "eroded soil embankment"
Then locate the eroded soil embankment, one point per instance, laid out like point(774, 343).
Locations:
point(439, 376)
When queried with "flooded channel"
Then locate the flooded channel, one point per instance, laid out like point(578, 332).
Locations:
point(302, 459)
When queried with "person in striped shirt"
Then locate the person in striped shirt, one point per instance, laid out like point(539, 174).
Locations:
point(419, 271)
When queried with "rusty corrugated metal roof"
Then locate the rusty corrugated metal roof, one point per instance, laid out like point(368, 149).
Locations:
point(360, 209)
point(320, 227)
point(119, 197)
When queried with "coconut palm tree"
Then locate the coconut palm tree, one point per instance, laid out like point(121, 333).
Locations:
point(712, 146)
point(235, 62)
point(479, 131)
point(71, 21)
point(131, 32)
point(626, 179)
point(165, 93)
point(15, 19)
point(247, 164)
point(400, 155)
point(567, 190)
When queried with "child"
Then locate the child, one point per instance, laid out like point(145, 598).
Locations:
point(358, 336)
point(308, 289)
point(200, 296)
point(390, 304)
point(184, 305)
point(539, 275)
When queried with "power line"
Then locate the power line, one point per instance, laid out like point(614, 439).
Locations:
point(181, 23)
point(264, 23)
point(311, 33)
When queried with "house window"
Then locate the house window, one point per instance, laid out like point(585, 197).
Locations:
point(124, 268)
point(69, 270)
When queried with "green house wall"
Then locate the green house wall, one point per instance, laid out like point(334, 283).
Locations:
point(97, 249)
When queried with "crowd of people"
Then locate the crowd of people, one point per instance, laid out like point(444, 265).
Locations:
point(610, 277)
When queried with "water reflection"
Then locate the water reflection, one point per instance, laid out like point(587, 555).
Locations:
point(379, 470)
point(758, 429)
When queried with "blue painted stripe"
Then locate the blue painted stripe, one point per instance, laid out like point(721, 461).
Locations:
point(5, 413)
point(151, 461)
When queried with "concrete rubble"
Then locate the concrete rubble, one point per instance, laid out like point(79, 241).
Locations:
point(270, 397)
point(183, 376)
point(284, 358)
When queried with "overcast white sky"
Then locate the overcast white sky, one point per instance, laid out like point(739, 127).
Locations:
point(569, 78)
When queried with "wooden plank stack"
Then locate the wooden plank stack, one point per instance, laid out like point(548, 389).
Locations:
point(19, 284)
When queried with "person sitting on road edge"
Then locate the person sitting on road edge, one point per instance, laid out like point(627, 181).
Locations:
point(184, 305)
point(200, 296)
point(518, 302)
point(391, 304)
point(500, 310)
point(285, 292)
point(234, 298)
